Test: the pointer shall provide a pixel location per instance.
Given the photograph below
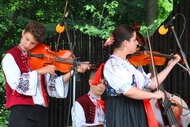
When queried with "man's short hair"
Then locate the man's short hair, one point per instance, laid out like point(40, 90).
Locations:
point(37, 30)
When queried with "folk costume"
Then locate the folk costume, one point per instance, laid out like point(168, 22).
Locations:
point(89, 110)
point(122, 111)
point(26, 90)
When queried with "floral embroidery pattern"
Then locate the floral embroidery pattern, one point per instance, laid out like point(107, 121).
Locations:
point(52, 88)
point(115, 64)
point(23, 83)
point(52, 83)
point(100, 112)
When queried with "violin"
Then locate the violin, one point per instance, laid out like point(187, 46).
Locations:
point(41, 56)
point(142, 58)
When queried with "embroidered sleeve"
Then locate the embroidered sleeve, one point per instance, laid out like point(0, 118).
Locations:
point(118, 76)
point(56, 87)
point(24, 84)
point(27, 84)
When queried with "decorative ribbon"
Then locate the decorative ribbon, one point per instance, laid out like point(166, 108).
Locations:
point(101, 103)
point(109, 41)
point(98, 75)
point(44, 92)
point(152, 122)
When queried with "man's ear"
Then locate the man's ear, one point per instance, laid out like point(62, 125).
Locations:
point(125, 42)
point(89, 81)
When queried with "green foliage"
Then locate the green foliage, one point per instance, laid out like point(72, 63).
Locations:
point(15, 14)
point(111, 14)
point(165, 7)
point(102, 23)
point(93, 17)
point(4, 112)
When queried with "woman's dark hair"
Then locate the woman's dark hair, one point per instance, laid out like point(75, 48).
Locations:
point(121, 33)
point(37, 30)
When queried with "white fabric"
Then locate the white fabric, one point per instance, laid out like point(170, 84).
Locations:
point(13, 75)
point(79, 116)
point(9, 65)
point(58, 91)
point(119, 74)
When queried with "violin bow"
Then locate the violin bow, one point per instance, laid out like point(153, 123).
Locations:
point(152, 60)
point(167, 103)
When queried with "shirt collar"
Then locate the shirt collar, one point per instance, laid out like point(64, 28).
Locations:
point(93, 97)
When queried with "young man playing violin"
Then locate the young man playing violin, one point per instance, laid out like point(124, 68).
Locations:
point(26, 94)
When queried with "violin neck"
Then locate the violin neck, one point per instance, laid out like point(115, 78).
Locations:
point(162, 55)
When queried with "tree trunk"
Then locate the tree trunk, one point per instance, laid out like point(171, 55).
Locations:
point(151, 11)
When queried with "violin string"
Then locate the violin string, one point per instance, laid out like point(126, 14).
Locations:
point(170, 115)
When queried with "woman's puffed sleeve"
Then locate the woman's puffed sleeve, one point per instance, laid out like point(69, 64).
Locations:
point(146, 77)
point(117, 76)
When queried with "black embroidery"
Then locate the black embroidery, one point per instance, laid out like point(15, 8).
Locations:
point(24, 83)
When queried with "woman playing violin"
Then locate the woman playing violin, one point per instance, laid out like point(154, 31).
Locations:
point(26, 94)
point(127, 85)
